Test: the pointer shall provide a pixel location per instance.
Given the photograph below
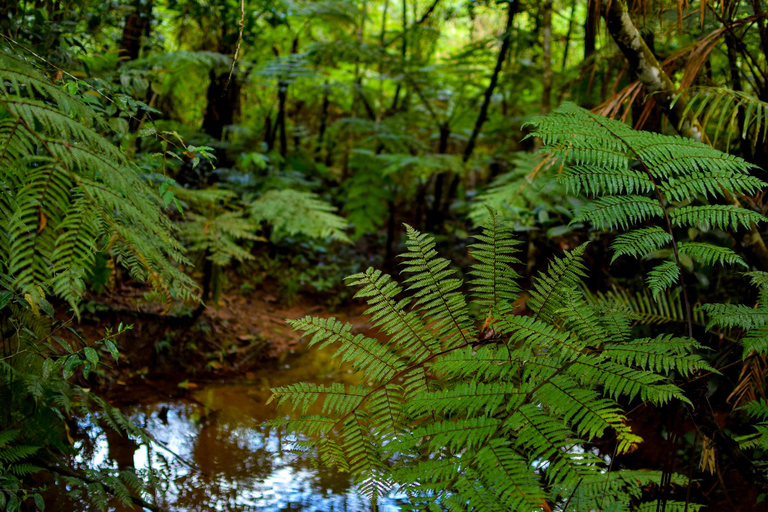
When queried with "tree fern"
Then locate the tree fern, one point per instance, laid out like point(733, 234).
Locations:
point(645, 185)
point(460, 419)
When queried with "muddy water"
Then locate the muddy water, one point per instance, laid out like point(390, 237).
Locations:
point(218, 455)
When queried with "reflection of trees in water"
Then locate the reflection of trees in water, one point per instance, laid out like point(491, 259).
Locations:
point(229, 467)
point(234, 457)
point(232, 467)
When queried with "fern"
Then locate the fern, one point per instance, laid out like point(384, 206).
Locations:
point(724, 105)
point(293, 212)
point(643, 184)
point(70, 193)
point(457, 418)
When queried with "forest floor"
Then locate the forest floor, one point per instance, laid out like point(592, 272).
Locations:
point(235, 338)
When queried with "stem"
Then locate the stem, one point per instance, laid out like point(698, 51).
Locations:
point(686, 302)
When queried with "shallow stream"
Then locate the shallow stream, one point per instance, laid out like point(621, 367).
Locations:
point(219, 455)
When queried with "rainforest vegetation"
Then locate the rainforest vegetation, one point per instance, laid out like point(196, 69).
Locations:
point(519, 246)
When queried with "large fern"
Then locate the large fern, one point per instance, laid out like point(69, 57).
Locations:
point(69, 192)
point(486, 412)
point(646, 186)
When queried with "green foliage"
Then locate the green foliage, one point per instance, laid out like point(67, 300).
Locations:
point(525, 197)
point(639, 178)
point(293, 212)
point(723, 107)
point(458, 417)
point(69, 192)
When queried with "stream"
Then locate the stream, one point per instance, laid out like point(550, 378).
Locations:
point(218, 455)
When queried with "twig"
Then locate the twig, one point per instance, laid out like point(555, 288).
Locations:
point(239, 42)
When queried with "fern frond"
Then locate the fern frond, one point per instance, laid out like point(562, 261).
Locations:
point(293, 212)
point(406, 330)
point(735, 315)
point(640, 242)
point(436, 295)
point(710, 254)
point(611, 212)
point(711, 183)
point(591, 181)
point(725, 217)
point(662, 354)
point(563, 274)
point(584, 409)
point(494, 283)
point(365, 354)
point(662, 276)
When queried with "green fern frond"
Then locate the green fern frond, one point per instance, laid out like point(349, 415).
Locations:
point(735, 315)
point(377, 360)
point(662, 277)
point(646, 309)
point(591, 181)
point(293, 212)
point(662, 354)
point(441, 304)
point(640, 242)
point(388, 313)
point(489, 422)
point(618, 166)
point(710, 254)
point(494, 282)
point(711, 183)
point(725, 217)
point(219, 236)
point(726, 105)
point(612, 212)
point(563, 274)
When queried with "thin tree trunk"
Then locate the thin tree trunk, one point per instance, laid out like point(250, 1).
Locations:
point(643, 63)
point(569, 34)
point(137, 23)
point(403, 53)
point(512, 9)
point(546, 68)
point(434, 214)
point(323, 120)
point(590, 28)
point(483, 116)
point(282, 96)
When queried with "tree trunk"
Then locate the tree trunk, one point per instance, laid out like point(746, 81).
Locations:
point(590, 28)
point(434, 214)
point(403, 53)
point(223, 104)
point(323, 121)
point(136, 24)
point(512, 9)
point(546, 65)
point(643, 63)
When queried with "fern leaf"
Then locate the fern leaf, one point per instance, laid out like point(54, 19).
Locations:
point(640, 242)
point(436, 295)
point(494, 284)
point(613, 212)
point(662, 277)
point(711, 254)
point(293, 212)
point(725, 217)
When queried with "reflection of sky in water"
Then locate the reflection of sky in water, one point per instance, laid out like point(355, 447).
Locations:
point(224, 461)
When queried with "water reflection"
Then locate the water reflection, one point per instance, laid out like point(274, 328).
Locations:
point(218, 455)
